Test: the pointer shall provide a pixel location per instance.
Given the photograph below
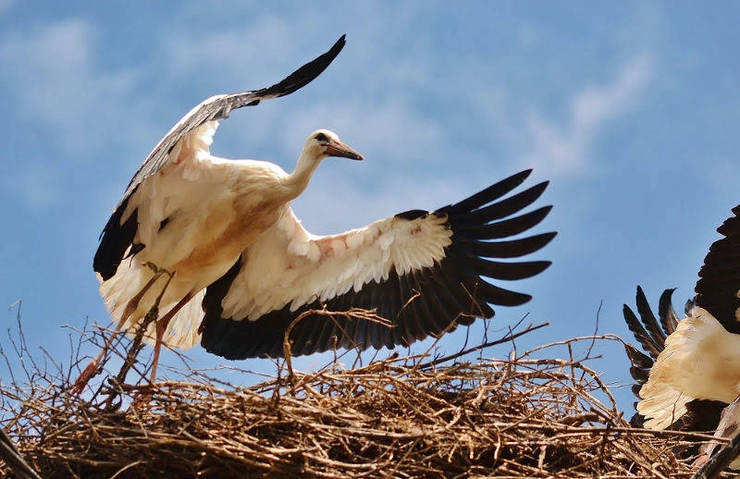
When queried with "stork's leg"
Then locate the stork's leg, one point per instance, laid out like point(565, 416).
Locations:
point(131, 306)
point(713, 458)
point(161, 328)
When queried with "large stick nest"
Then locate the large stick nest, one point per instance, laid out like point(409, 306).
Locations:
point(413, 416)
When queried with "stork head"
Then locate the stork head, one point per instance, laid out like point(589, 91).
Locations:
point(319, 145)
point(324, 143)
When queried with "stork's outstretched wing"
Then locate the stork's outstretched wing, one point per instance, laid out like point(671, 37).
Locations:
point(719, 277)
point(420, 270)
point(118, 234)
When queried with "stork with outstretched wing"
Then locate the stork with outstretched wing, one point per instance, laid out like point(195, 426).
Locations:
point(214, 245)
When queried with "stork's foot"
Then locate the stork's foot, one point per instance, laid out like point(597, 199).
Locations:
point(157, 270)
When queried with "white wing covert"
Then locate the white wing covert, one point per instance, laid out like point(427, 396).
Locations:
point(191, 135)
point(422, 271)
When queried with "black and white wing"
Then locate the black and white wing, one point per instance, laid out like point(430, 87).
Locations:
point(197, 128)
point(647, 330)
point(422, 271)
point(652, 332)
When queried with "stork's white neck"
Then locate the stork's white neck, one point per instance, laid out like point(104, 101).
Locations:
point(295, 183)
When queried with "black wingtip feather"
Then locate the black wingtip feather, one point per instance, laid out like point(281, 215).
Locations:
point(305, 74)
point(668, 316)
point(511, 248)
point(504, 228)
point(649, 320)
point(114, 241)
point(493, 192)
point(645, 329)
point(505, 271)
point(719, 276)
point(504, 208)
point(499, 296)
point(639, 332)
point(638, 359)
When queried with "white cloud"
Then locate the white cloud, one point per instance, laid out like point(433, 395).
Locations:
point(54, 77)
point(75, 109)
point(565, 149)
point(375, 113)
point(377, 96)
point(386, 130)
point(229, 55)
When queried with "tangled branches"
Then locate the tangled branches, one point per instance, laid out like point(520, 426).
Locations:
point(413, 416)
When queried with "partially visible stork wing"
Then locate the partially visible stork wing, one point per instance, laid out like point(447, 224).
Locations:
point(650, 336)
point(219, 107)
point(666, 312)
point(423, 272)
point(701, 415)
point(647, 330)
point(118, 234)
point(719, 283)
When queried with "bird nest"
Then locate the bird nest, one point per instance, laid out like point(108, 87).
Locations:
point(414, 416)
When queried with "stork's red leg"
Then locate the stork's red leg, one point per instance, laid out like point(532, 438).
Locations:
point(131, 306)
point(162, 324)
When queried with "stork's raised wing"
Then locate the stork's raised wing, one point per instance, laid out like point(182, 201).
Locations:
point(118, 234)
point(700, 415)
point(422, 271)
point(719, 284)
point(647, 330)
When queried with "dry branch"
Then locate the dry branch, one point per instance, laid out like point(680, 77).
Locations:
point(413, 416)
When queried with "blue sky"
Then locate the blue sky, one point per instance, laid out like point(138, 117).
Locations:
point(630, 109)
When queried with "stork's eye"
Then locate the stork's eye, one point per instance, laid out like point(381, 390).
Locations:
point(321, 137)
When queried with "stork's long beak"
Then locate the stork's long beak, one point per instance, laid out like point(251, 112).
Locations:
point(342, 150)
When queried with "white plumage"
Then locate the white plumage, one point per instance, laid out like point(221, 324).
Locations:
point(692, 370)
point(289, 265)
point(214, 245)
point(701, 360)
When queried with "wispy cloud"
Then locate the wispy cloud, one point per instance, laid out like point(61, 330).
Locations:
point(564, 149)
point(56, 80)
point(386, 130)
point(383, 95)
point(230, 54)
point(72, 109)
point(379, 112)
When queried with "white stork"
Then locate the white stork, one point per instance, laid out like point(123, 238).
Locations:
point(214, 244)
point(693, 371)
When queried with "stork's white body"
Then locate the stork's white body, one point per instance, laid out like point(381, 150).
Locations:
point(212, 245)
point(692, 372)
point(217, 210)
point(701, 360)
point(214, 208)
point(287, 265)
